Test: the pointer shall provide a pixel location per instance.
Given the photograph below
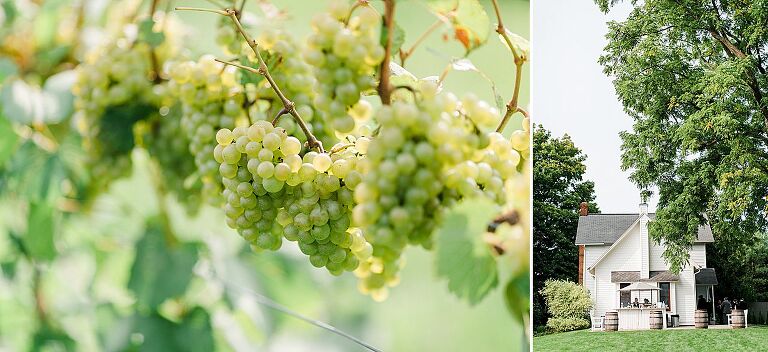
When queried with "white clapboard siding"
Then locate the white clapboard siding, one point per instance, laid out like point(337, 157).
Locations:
point(699, 254)
point(685, 292)
point(656, 257)
point(624, 257)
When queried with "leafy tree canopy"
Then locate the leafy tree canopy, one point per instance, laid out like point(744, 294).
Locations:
point(558, 188)
point(692, 74)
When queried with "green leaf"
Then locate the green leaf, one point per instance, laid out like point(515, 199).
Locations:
point(148, 35)
point(516, 295)
point(25, 103)
point(470, 22)
point(465, 64)
point(8, 140)
point(9, 8)
point(48, 338)
point(34, 173)
point(40, 229)
point(398, 37)
point(159, 271)
point(192, 334)
point(521, 45)
point(7, 68)
point(462, 256)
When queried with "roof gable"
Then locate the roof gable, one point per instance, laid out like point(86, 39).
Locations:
point(606, 229)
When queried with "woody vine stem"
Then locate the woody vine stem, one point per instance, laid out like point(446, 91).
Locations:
point(519, 60)
point(288, 106)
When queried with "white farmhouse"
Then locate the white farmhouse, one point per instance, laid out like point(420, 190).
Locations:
point(616, 252)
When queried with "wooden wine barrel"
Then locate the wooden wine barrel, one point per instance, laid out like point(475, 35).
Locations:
point(657, 320)
point(701, 319)
point(611, 322)
point(737, 319)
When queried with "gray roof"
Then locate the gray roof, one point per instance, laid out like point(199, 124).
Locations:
point(607, 228)
point(706, 276)
point(634, 276)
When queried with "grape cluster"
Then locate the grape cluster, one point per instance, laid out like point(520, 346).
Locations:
point(427, 155)
point(344, 53)
point(211, 99)
point(113, 91)
point(272, 192)
point(168, 144)
point(297, 82)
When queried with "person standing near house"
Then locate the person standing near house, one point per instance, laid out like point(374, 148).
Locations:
point(701, 303)
point(719, 312)
point(726, 310)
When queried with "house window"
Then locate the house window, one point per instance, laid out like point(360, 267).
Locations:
point(665, 294)
point(625, 297)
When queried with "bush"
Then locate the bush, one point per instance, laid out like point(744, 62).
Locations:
point(566, 324)
point(565, 299)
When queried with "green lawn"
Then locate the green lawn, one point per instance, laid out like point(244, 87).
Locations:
point(751, 339)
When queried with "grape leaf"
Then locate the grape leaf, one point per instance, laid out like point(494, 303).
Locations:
point(34, 173)
point(468, 18)
point(40, 229)
point(462, 256)
point(7, 68)
point(8, 141)
point(148, 35)
point(193, 333)
point(159, 271)
point(520, 44)
point(398, 37)
point(25, 103)
point(516, 294)
point(465, 64)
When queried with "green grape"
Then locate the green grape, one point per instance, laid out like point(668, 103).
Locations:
point(344, 56)
point(211, 99)
point(428, 155)
point(113, 93)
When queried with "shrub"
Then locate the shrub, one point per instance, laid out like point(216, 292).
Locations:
point(566, 299)
point(566, 324)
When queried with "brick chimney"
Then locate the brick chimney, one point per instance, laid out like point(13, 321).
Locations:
point(583, 211)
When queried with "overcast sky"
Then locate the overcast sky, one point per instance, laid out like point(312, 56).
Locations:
point(570, 94)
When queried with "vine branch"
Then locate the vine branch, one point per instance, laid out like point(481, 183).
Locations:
point(155, 75)
point(405, 54)
point(384, 89)
point(289, 106)
point(519, 60)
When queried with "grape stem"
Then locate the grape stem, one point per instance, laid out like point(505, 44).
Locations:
point(384, 89)
point(280, 113)
point(519, 60)
point(354, 7)
point(312, 141)
point(155, 75)
point(405, 54)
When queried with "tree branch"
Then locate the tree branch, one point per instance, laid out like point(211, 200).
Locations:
point(384, 89)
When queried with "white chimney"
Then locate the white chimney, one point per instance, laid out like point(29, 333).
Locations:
point(644, 243)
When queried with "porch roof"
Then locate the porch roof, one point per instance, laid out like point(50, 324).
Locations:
point(706, 276)
point(634, 276)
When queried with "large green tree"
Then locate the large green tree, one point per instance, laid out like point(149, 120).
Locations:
point(558, 189)
point(692, 74)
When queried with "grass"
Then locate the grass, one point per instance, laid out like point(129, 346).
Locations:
point(755, 338)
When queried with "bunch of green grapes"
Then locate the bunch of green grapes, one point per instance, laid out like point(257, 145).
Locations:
point(168, 144)
point(114, 91)
point(211, 99)
point(298, 83)
point(427, 155)
point(345, 53)
point(273, 192)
